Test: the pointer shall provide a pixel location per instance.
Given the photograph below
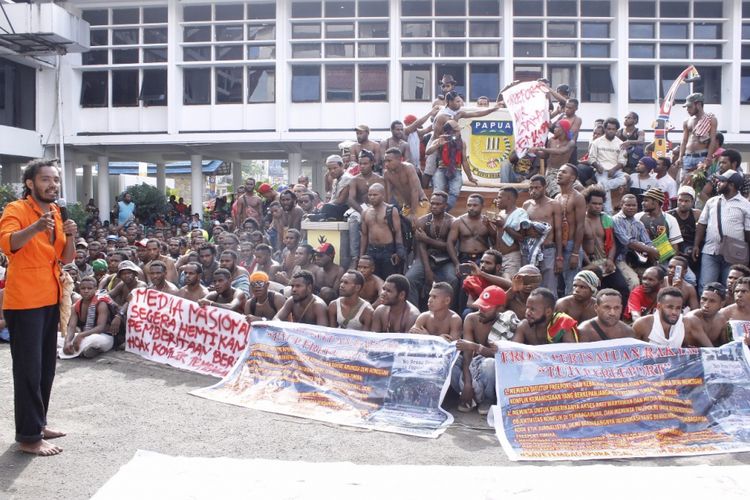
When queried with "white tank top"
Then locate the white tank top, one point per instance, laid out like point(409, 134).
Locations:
point(354, 323)
point(676, 333)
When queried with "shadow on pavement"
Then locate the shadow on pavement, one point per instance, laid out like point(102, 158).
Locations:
point(12, 464)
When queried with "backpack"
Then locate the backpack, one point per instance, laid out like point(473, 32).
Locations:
point(407, 235)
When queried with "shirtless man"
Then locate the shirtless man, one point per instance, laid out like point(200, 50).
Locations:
point(606, 325)
point(127, 272)
point(364, 142)
point(740, 310)
point(668, 327)
point(472, 232)
point(386, 247)
point(248, 205)
point(570, 109)
point(157, 272)
point(395, 314)
point(287, 254)
point(508, 230)
point(432, 258)
point(396, 140)
point(673, 279)
point(193, 289)
point(328, 274)
point(572, 230)
point(453, 111)
point(289, 217)
point(522, 284)
point(473, 375)
point(373, 285)
point(542, 325)
point(580, 305)
point(303, 306)
point(710, 315)
point(350, 311)
point(699, 142)
point(357, 200)
point(439, 319)
point(557, 153)
point(541, 208)
point(153, 253)
point(263, 260)
point(223, 295)
point(304, 257)
point(402, 185)
point(238, 274)
point(263, 303)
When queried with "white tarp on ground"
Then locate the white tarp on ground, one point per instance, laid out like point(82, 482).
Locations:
point(153, 475)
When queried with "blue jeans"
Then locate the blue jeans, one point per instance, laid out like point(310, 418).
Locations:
point(382, 254)
point(690, 161)
point(713, 268)
point(415, 275)
point(547, 268)
point(451, 186)
point(482, 371)
point(569, 274)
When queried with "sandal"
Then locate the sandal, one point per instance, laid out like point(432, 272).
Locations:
point(467, 407)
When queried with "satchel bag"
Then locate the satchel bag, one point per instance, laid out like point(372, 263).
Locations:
point(733, 250)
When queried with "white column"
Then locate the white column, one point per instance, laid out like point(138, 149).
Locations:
point(317, 179)
point(196, 184)
point(236, 174)
point(71, 193)
point(88, 184)
point(732, 74)
point(161, 177)
point(174, 72)
point(102, 182)
point(621, 73)
point(295, 167)
point(283, 82)
point(507, 44)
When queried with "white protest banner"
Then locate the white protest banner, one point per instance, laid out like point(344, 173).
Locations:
point(389, 382)
point(179, 332)
point(529, 109)
point(621, 399)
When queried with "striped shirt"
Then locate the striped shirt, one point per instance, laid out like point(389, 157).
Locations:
point(735, 220)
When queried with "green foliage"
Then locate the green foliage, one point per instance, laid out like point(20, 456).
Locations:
point(78, 214)
point(149, 202)
point(7, 194)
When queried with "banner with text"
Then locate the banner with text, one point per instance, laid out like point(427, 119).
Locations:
point(387, 382)
point(620, 399)
point(529, 108)
point(179, 332)
point(737, 330)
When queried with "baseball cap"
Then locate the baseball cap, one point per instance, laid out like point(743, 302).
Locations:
point(326, 248)
point(141, 243)
point(693, 98)
point(335, 159)
point(731, 176)
point(686, 190)
point(112, 237)
point(127, 265)
point(363, 128)
point(492, 296)
point(265, 188)
point(565, 125)
point(648, 161)
point(409, 119)
point(81, 243)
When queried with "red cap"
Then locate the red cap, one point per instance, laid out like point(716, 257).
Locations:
point(326, 248)
point(265, 188)
point(141, 243)
point(492, 296)
point(409, 119)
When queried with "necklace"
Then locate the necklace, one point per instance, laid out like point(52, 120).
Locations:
point(312, 299)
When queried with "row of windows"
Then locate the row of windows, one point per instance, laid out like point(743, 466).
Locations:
point(342, 83)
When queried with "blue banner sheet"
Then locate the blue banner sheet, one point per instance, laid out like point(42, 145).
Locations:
point(387, 382)
point(621, 399)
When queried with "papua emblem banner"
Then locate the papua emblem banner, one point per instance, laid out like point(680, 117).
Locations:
point(387, 382)
point(621, 399)
point(490, 140)
point(178, 332)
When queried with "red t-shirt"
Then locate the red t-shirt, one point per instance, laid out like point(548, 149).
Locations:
point(639, 302)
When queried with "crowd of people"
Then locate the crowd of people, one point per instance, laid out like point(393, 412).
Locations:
point(608, 244)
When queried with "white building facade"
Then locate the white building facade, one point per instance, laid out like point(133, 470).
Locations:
point(168, 80)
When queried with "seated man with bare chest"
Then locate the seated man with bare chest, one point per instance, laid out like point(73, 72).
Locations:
point(580, 304)
point(606, 325)
point(395, 314)
point(439, 319)
point(472, 232)
point(303, 306)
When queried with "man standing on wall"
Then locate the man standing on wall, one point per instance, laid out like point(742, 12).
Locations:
point(35, 238)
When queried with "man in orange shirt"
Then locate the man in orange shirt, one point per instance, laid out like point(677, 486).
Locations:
point(35, 239)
